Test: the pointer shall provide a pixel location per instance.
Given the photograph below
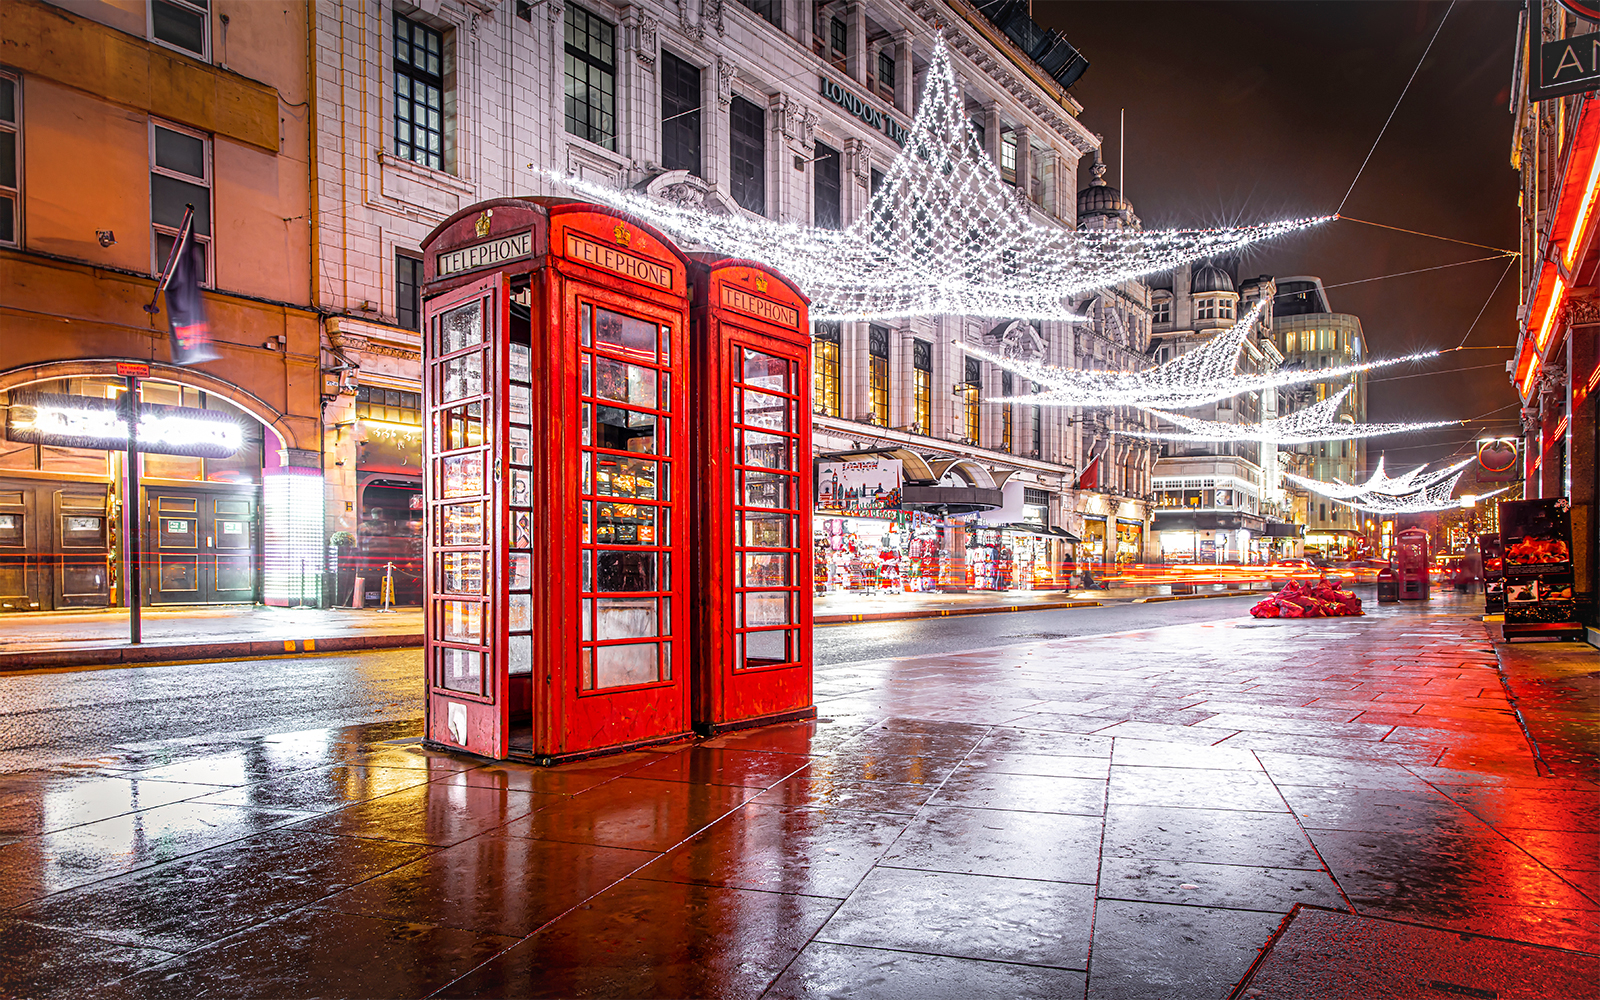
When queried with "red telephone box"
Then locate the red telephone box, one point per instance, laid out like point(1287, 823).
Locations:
point(1411, 564)
point(752, 376)
point(555, 350)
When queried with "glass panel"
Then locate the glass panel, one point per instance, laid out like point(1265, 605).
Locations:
point(177, 26)
point(766, 450)
point(463, 475)
point(624, 430)
point(461, 327)
point(634, 478)
point(586, 670)
point(664, 399)
point(462, 572)
point(460, 427)
point(625, 572)
point(588, 375)
point(10, 529)
point(585, 324)
point(520, 655)
point(521, 363)
point(462, 377)
point(176, 532)
point(766, 608)
point(625, 618)
point(462, 621)
point(168, 198)
point(626, 524)
point(666, 345)
point(78, 532)
point(766, 371)
point(625, 335)
point(461, 524)
point(182, 153)
point(232, 534)
point(766, 530)
point(519, 612)
point(765, 649)
point(521, 571)
point(462, 670)
point(766, 489)
point(764, 410)
point(625, 383)
point(588, 619)
point(634, 663)
point(587, 423)
point(766, 569)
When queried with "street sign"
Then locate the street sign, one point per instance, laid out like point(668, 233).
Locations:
point(138, 369)
point(1567, 66)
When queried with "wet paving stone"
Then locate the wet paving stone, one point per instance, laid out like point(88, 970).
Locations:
point(78, 855)
point(816, 852)
point(1239, 887)
point(968, 916)
point(562, 779)
point(320, 953)
point(1044, 765)
point(702, 766)
point(1572, 810)
point(431, 814)
point(1214, 836)
point(43, 963)
point(817, 737)
point(823, 788)
point(494, 884)
point(41, 802)
point(1153, 951)
point(189, 903)
point(1047, 846)
point(1379, 809)
point(633, 813)
point(259, 761)
point(1337, 772)
point(1146, 753)
point(863, 762)
point(656, 939)
point(849, 972)
point(1553, 927)
point(320, 789)
point(1023, 792)
point(1194, 789)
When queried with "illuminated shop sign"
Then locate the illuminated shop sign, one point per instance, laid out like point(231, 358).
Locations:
point(86, 422)
point(864, 111)
point(488, 254)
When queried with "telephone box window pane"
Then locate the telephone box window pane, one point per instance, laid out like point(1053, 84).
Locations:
point(633, 478)
point(626, 618)
point(460, 427)
point(625, 335)
point(766, 649)
point(461, 670)
point(769, 451)
point(770, 608)
point(463, 621)
point(764, 410)
point(463, 377)
point(766, 371)
point(766, 569)
point(625, 430)
point(519, 613)
point(766, 489)
point(460, 328)
point(520, 658)
point(625, 383)
point(462, 572)
point(625, 572)
point(768, 531)
point(626, 524)
point(620, 666)
point(521, 571)
point(463, 475)
point(461, 524)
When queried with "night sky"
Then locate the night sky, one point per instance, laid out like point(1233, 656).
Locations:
point(1245, 112)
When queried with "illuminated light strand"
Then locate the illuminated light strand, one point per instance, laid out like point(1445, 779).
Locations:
point(1584, 208)
point(1527, 380)
point(155, 429)
point(1319, 422)
point(1548, 323)
point(944, 234)
point(1204, 375)
point(1380, 483)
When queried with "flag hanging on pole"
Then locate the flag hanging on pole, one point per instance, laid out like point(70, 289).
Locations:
point(186, 310)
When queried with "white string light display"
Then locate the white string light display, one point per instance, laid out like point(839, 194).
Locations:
point(1380, 483)
point(1204, 375)
point(1319, 422)
point(944, 234)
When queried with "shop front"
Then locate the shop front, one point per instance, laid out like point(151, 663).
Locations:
point(388, 542)
point(203, 459)
point(1210, 539)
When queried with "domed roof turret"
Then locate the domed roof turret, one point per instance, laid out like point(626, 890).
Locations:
point(1210, 278)
point(1100, 198)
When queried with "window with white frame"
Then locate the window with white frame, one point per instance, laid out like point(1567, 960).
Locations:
point(1161, 311)
point(1225, 309)
point(1205, 309)
point(180, 175)
point(184, 25)
point(10, 161)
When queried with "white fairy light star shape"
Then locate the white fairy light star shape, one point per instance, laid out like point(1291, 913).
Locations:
point(943, 235)
point(1319, 422)
point(1204, 375)
point(1416, 493)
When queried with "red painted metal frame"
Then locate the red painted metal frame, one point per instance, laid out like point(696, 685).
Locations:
point(486, 711)
point(773, 321)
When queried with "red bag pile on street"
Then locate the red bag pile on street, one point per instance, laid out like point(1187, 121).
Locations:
point(1324, 600)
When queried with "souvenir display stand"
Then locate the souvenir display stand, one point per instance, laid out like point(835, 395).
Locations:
point(556, 399)
point(752, 497)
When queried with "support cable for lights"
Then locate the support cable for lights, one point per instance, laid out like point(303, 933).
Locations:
point(1396, 107)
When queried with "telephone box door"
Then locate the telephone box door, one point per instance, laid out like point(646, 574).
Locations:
point(463, 397)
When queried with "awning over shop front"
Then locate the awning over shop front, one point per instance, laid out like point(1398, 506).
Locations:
point(1037, 529)
point(949, 499)
point(1178, 520)
point(1283, 529)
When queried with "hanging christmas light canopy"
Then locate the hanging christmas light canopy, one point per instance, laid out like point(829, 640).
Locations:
point(1319, 422)
point(944, 234)
point(1380, 483)
point(1421, 494)
point(1204, 375)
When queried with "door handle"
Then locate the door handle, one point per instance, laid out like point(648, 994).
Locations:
point(209, 543)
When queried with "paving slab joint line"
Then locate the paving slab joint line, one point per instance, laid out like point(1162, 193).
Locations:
point(1540, 764)
point(1238, 991)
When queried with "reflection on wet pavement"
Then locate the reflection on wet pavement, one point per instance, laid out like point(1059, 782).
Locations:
point(1128, 816)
